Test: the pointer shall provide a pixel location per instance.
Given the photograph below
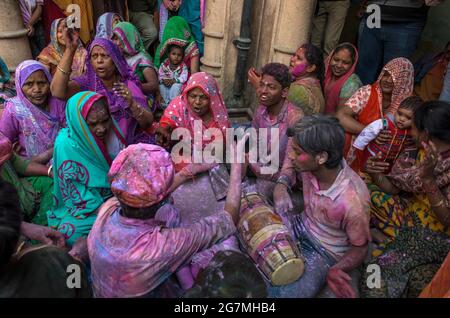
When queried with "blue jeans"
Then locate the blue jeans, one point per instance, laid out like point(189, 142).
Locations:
point(379, 46)
point(445, 93)
point(317, 264)
point(169, 93)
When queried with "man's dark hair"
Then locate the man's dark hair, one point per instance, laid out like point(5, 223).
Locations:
point(279, 72)
point(434, 117)
point(320, 133)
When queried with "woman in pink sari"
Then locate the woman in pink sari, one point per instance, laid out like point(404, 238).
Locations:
point(198, 188)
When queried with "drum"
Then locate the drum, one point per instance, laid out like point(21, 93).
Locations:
point(268, 241)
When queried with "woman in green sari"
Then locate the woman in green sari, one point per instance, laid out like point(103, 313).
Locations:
point(83, 154)
point(128, 39)
point(177, 32)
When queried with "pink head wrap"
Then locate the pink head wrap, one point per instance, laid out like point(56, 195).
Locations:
point(141, 175)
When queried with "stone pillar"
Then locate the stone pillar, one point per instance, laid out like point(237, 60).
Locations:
point(292, 28)
point(14, 43)
point(222, 26)
point(278, 28)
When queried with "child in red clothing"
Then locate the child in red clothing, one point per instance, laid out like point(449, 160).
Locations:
point(399, 128)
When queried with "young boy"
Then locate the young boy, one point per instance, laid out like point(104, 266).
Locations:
point(400, 140)
point(333, 229)
point(132, 251)
point(173, 73)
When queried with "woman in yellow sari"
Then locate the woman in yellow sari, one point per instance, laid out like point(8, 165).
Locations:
point(411, 207)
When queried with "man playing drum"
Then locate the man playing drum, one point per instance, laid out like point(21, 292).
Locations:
point(333, 230)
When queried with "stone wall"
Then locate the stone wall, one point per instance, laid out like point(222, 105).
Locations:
point(14, 44)
point(278, 27)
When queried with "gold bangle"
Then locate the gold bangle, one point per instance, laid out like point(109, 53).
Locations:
point(141, 113)
point(62, 71)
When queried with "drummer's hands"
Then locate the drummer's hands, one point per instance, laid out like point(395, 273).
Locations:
point(339, 283)
point(282, 199)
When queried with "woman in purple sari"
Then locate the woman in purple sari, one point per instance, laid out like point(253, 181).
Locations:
point(32, 119)
point(107, 73)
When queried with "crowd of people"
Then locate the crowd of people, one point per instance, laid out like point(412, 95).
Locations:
point(87, 177)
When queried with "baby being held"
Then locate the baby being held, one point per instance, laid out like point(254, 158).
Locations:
point(399, 128)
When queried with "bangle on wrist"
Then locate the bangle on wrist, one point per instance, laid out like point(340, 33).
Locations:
point(140, 113)
point(49, 170)
point(284, 180)
point(62, 71)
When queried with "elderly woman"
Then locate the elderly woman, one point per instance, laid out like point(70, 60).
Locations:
point(105, 25)
point(52, 54)
point(200, 106)
point(31, 121)
point(416, 221)
point(372, 102)
point(177, 32)
point(131, 248)
point(108, 74)
point(341, 81)
point(83, 154)
point(129, 41)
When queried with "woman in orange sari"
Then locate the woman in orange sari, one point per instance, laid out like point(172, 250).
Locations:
point(372, 102)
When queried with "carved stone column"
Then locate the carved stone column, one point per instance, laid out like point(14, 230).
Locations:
point(222, 25)
point(292, 28)
point(14, 43)
point(278, 28)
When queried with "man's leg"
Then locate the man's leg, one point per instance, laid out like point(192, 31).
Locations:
point(337, 12)
point(370, 48)
point(313, 278)
point(318, 26)
point(146, 26)
point(401, 39)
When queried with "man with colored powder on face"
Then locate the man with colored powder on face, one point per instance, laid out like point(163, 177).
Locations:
point(333, 229)
point(274, 112)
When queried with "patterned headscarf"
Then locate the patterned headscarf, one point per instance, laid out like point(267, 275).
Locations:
point(117, 105)
point(133, 45)
point(53, 53)
point(177, 32)
point(104, 28)
point(402, 72)
point(141, 175)
point(180, 112)
point(39, 126)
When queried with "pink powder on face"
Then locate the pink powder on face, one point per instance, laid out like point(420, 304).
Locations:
point(304, 157)
point(299, 70)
